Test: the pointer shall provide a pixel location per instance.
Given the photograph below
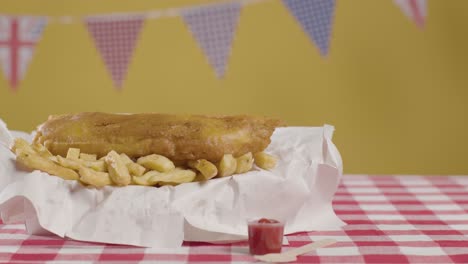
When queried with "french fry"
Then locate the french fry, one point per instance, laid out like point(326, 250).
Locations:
point(144, 180)
point(36, 162)
point(21, 145)
point(118, 172)
point(265, 161)
point(126, 159)
point(156, 162)
point(227, 165)
point(69, 163)
point(176, 175)
point(73, 153)
point(98, 165)
point(75, 164)
point(199, 178)
point(41, 150)
point(206, 168)
point(244, 163)
point(134, 168)
point(94, 178)
point(88, 157)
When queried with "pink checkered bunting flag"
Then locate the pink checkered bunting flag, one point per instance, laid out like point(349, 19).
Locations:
point(315, 17)
point(115, 38)
point(214, 27)
point(416, 10)
point(18, 39)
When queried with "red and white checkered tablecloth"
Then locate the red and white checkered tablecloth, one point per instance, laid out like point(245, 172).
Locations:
point(391, 219)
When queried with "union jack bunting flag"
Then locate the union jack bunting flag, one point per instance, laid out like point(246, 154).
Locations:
point(416, 10)
point(18, 38)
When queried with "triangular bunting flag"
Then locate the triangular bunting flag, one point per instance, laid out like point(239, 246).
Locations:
point(414, 9)
point(115, 38)
point(214, 27)
point(18, 39)
point(315, 17)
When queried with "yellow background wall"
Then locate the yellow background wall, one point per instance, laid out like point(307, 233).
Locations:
point(396, 95)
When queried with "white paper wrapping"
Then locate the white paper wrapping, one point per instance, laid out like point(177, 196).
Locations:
point(299, 191)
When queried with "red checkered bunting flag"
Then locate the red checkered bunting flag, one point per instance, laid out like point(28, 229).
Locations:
point(315, 17)
point(416, 10)
point(18, 39)
point(214, 27)
point(115, 38)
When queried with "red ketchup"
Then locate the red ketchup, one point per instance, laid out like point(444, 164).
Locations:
point(265, 236)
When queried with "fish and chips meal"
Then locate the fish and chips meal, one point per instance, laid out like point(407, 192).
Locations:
point(100, 149)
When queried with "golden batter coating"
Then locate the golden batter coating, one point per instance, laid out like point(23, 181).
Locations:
point(178, 137)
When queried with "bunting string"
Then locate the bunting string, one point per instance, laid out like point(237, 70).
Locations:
point(147, 14)
point(212, 25)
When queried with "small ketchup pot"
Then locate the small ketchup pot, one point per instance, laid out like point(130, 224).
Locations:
point(265, 236)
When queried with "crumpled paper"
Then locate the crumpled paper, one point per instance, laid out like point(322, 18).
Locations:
point(299, 191)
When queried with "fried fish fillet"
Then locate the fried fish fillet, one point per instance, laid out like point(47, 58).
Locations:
point(178, 137)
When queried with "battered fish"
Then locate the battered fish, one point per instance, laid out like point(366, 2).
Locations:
point(178, 137)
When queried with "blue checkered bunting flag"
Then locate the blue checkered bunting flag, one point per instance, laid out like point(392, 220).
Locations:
point(315, 17)
point(214, 27)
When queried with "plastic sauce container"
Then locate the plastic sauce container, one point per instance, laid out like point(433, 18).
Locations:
point(265, 236)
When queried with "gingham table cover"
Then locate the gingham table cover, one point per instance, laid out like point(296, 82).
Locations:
point(391, 219)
